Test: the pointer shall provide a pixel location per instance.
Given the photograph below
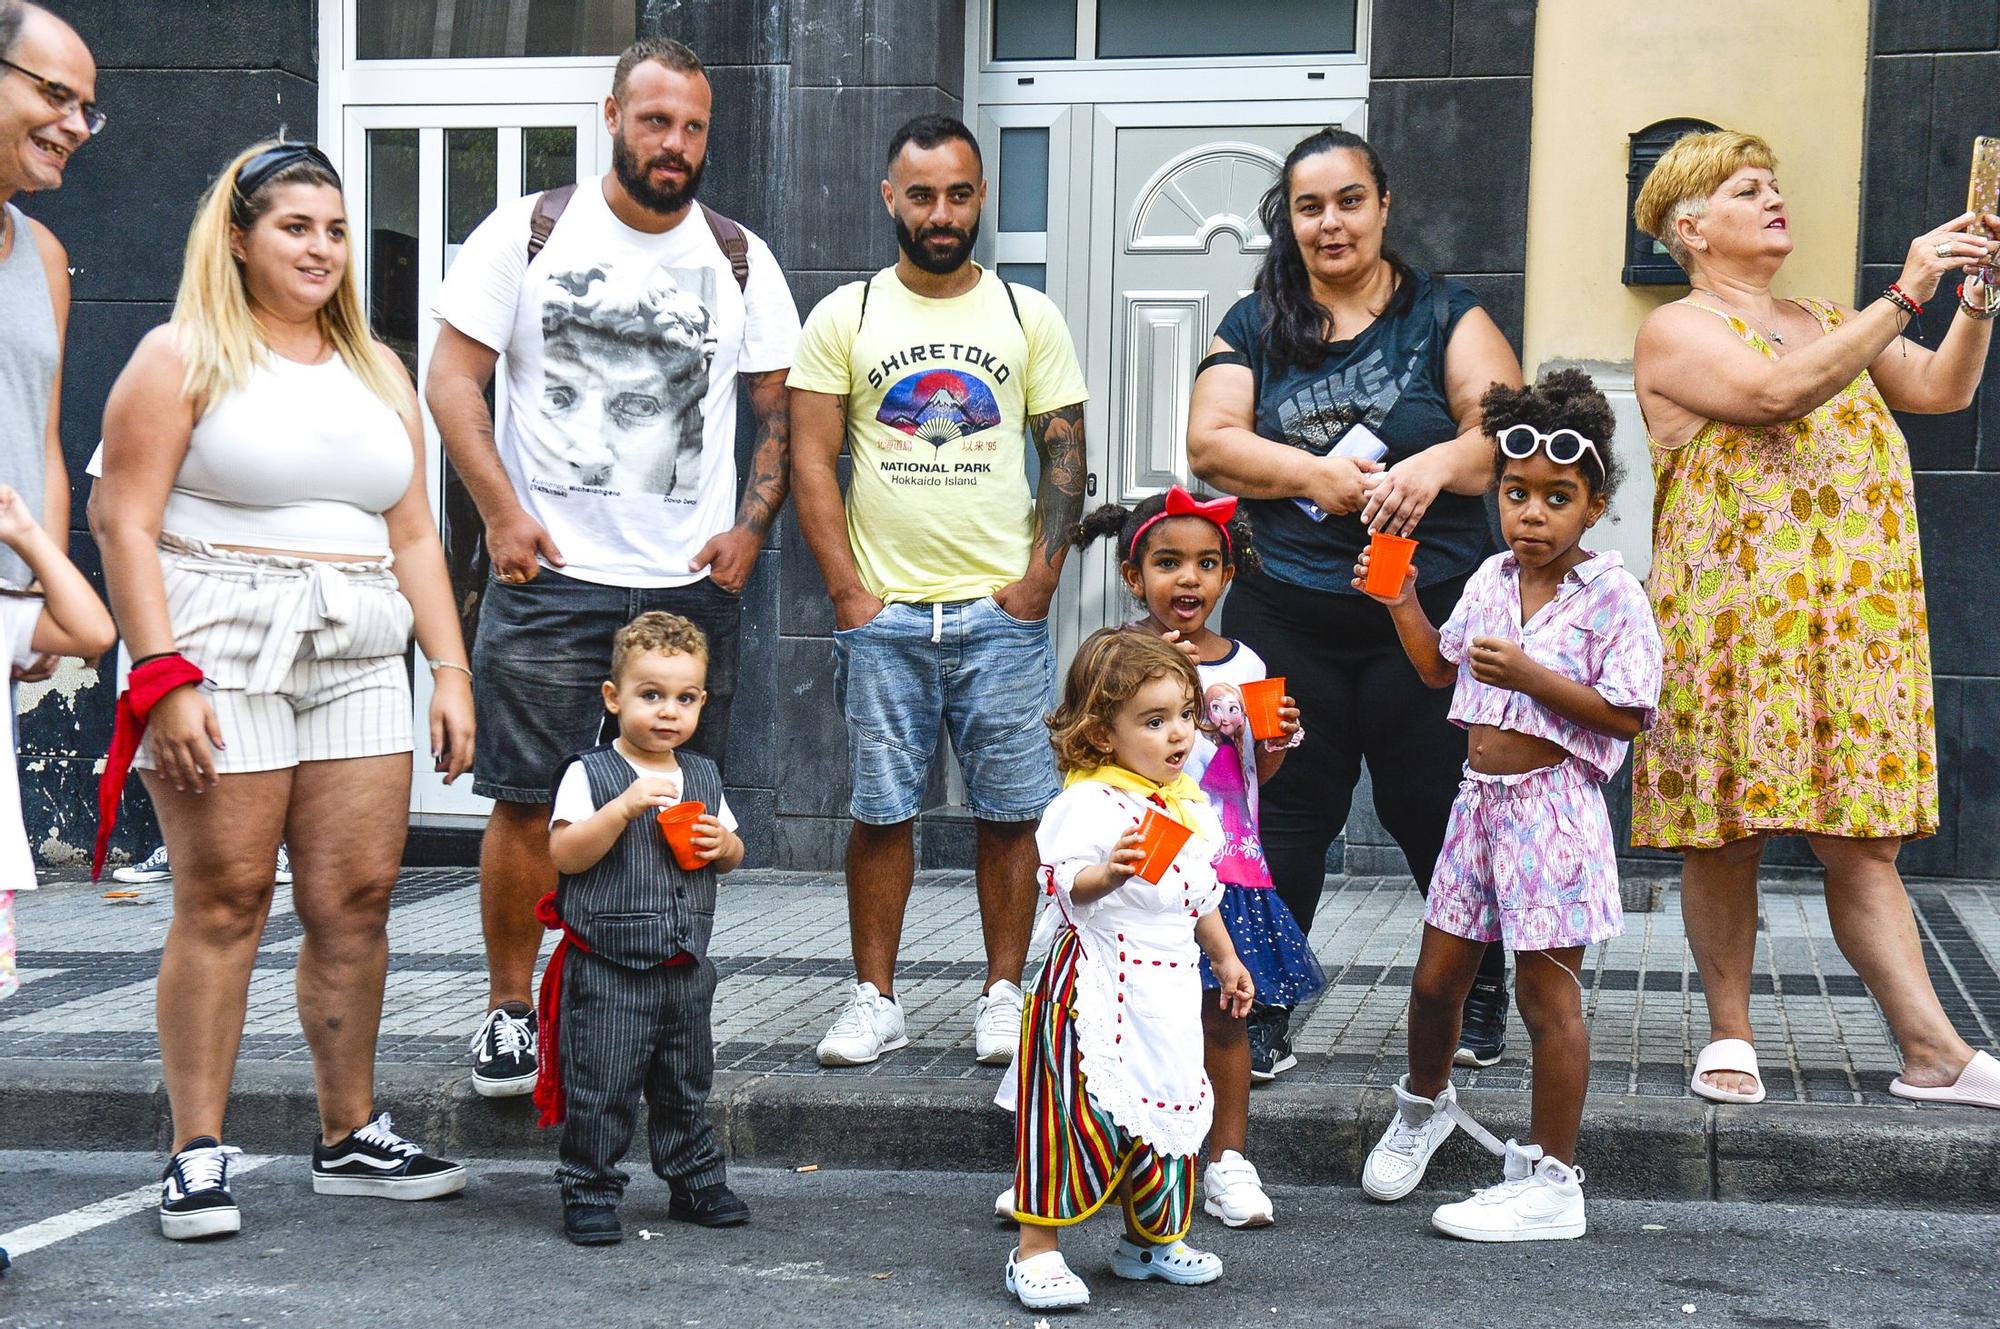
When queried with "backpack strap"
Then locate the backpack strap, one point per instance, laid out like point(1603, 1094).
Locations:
point(1012, 303)
point(548, 209)
point(735, 245)
point(1440, 304)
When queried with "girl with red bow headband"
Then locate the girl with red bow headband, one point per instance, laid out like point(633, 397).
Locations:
point(1177, 554)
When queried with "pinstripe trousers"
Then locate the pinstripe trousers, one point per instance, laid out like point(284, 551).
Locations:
point(628, 1032)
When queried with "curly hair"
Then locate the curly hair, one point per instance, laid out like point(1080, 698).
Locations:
point(1122, 522)
point(1560, 399)
point(1107, 671)
point(656, 630)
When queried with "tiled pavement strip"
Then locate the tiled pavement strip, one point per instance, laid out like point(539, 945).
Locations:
point(88, 967)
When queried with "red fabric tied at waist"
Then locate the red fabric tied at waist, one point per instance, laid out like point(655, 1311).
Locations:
point(550, 1103)
point(144, 687)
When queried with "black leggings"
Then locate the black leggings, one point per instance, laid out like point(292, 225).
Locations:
point(1359, 699)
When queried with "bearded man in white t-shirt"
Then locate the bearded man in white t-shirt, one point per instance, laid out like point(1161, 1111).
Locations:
point(610, 489)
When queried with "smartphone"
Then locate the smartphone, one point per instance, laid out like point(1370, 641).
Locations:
point(1982, 194)
point(1361, 442)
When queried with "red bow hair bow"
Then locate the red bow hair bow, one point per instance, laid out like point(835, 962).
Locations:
point(1180, 503)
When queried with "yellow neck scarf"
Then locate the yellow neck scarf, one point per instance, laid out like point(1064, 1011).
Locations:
point(1178, 797)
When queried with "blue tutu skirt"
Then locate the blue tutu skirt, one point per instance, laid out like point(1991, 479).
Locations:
point(1268, 941)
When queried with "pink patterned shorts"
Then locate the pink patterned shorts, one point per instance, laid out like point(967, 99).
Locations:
point(1528, 860)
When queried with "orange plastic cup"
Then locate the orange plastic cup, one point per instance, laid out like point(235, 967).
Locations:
point(677, 824)
point(1388, 563)
point(1261, 701)
point(1161, 837)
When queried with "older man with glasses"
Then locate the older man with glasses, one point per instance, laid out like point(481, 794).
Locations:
point(47, 85)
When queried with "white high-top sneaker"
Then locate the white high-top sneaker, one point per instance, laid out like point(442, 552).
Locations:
point(1540, 1199)
point(1397, 1162)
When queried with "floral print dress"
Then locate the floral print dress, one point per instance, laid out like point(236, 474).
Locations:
point(1789, 590)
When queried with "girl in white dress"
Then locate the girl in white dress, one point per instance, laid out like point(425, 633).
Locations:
point(1108, 1091)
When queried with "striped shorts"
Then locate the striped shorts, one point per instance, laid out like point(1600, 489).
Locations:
point(1069, 1156)
point(307, 660)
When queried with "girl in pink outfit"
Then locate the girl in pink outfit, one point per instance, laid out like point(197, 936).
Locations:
point(1178, 554)
point(1556, 664)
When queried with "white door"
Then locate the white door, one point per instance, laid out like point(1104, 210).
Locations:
point(418, 180)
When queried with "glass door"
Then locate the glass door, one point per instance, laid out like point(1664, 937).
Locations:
point(419, 179)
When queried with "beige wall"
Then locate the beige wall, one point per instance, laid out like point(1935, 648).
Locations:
point(1794, 71)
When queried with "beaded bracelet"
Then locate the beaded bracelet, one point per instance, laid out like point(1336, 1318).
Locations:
point(1896, 296)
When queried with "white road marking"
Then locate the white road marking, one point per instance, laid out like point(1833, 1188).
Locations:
point(62, 1227)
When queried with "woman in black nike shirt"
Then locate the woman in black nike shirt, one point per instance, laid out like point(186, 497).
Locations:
point(1340, 333)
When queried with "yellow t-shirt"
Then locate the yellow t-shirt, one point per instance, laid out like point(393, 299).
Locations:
point(939, 394)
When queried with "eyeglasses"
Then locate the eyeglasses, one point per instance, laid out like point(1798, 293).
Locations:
point(62, 97)
point(1565, 447)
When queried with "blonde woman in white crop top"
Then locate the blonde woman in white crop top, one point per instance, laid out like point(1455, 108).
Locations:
point(262, 516)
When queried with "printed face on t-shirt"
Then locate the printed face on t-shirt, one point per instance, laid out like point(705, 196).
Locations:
point(624, 373)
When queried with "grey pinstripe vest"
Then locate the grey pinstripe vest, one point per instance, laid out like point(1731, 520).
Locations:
point(636, 906)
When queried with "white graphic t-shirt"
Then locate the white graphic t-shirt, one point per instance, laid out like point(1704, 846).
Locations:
point(621, 351)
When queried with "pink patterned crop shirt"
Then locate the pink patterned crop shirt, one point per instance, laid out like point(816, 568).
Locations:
point(1598, 631)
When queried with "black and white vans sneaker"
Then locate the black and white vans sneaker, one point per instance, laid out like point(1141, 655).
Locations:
point(503, 1053)
point(377, 1161)
point(194, 1192)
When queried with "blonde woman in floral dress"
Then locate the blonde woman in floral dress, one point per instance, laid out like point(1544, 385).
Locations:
point(1789, 588)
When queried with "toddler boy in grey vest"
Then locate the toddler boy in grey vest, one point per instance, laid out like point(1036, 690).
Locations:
point(625, 999)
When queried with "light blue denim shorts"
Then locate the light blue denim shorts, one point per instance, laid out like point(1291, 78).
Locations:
point(969, 668)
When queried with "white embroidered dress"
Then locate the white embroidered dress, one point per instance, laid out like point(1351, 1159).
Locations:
point(1138, 985)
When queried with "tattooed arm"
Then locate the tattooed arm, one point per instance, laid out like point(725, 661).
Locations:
point(1058, 508)
point(730, 556)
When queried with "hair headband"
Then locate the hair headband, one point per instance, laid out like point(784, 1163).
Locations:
point(1180, 503)
point(259, 170)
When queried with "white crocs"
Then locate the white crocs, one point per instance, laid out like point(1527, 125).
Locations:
point(1044, 1282)
point(1176, 1262)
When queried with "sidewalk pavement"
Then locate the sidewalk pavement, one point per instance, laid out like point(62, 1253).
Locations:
point(79, 1056)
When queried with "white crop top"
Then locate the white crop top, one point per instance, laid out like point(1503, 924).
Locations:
point(301, 457)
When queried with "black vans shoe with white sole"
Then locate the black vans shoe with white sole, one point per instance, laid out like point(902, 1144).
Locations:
point(377, 1161)
point(503, 1052)
point(194, 1192)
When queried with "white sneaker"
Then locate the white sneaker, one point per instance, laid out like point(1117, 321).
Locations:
point(1175, 1262)
point(153, 869)
point(1045, 1282)
point(1540, 1200)
point(283, 876)
point(1003, 1205)
point(1396, 1164)
point(1235, 1192)
point(996, 1025)
point(870, 1025)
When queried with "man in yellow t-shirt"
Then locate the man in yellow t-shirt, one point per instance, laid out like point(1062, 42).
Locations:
point(940, 564)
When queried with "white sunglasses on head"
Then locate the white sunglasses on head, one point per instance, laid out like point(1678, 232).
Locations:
point(1565, 447)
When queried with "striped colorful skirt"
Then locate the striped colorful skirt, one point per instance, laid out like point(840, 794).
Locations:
point(1070, 1156)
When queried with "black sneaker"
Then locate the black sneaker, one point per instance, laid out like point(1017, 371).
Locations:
point(1278, 1032)
point(1482, 1037)
point(377, 1161)
point(194, 1192)
point(711, 1206)
point(503, 1052)
point(592, 1224)
point(1263, 1056)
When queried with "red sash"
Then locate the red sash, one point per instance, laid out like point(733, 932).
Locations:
point(144, 687)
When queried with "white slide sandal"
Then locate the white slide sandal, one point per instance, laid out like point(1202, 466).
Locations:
point(1978, 1085)
point(1727, 1054)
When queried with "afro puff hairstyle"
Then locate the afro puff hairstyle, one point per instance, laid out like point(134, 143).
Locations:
point(1124, 523)
point(1561, 399)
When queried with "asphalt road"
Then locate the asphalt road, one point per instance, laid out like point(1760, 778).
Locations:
point(834, 1250)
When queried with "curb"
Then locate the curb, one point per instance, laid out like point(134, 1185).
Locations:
point(1634, 1148)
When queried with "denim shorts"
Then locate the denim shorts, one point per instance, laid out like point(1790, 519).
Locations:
point(539, 661)
point(968, 668)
